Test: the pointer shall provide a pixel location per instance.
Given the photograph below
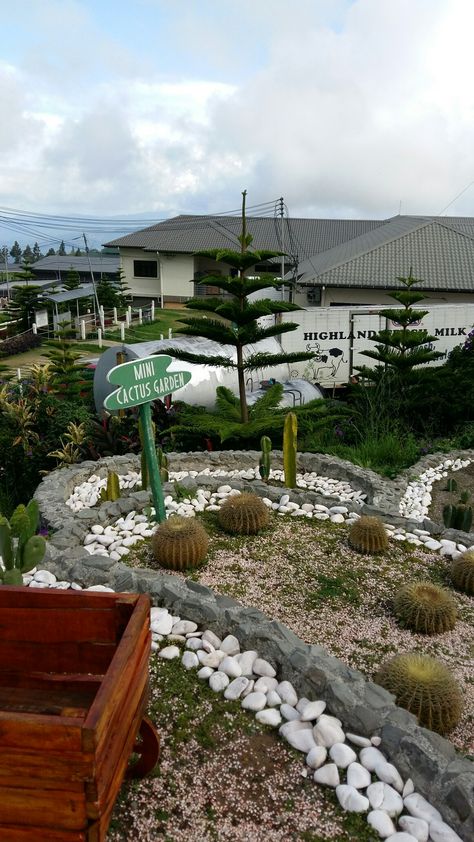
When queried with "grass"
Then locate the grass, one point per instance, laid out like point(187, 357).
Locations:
point(165, 319)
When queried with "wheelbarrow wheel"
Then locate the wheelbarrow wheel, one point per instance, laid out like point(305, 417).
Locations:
point(146, 749)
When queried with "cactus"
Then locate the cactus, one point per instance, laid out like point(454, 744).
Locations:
point(179, 543)
point(111, 492)
point(451, 485)
point(425, 687)
point(162, 464)
point(20, 548)
point(462, 572)
point(458, 517)
point(244, 514)
point(425, 608)
point(264, 462)
point(368, 535)
point(290, 449)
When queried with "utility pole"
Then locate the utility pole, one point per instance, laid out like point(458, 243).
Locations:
point(282, 237)
point(99, 311)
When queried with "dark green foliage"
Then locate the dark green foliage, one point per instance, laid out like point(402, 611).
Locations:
point(16, 251)
point(425, 608)
point(238, 318)
point(368, 535)
point(25, 300)
point(107, 293)
point(243, 514)
point(19, 344)
point(462, 572)
point(179, 543)
point(68, 373)
point(426, 688)
point(73, 280)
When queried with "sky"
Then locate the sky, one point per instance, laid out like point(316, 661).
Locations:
point(346, 108)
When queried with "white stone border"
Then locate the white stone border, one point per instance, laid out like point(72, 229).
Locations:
point(416, 501)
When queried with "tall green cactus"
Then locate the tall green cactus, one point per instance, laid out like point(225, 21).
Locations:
point(290, 432)
point(458, 517)
point(264, 462)
point(162, 464)
point(111, 492)
point(21, 549)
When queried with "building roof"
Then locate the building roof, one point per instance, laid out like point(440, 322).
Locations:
point(84, 291)
point(438, 250)
point(62, 263)
point(188, 234)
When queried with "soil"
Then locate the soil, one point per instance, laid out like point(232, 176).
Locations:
point(441, 497)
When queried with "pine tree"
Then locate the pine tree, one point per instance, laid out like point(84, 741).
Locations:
point(16, 251)
point(28, 256)
point(36, 252)
point(399, 350)
point(107, 293)
point(237, 322)
point(62, 249)
point(73, 280)
point(25, 300)
point(50, 253)
point(123, 290)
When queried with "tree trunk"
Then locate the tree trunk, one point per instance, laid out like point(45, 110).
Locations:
point(244, 413)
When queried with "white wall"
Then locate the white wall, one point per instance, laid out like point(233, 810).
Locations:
point(371, 297)
point(174, 272)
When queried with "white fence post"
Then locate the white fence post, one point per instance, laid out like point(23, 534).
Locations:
point(18, 374)
point(153, 309)
point(161, 336)
point(115, 316)
point(140, 316)
point(170, 333)
point(122, 331)
point(127, 319)
point(83, 329)
point(129, 315)
point(99, 337)
point(35, 328)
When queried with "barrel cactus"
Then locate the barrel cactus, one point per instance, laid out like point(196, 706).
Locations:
point(243, 514)
point(368, 535)
point(425, 687)
point(179, 543)
point(425, 608)
point(462, 572)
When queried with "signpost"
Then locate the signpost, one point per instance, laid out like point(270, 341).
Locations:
point(140, 382)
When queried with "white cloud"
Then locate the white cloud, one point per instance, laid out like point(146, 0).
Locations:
point(342, 108)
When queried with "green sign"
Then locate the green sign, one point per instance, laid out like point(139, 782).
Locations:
point(143, 380)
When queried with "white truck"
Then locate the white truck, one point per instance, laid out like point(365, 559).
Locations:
point(338, 335)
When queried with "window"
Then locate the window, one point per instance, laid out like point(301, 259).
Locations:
point(145, 268)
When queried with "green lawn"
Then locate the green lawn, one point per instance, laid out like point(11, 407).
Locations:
point(151, 330)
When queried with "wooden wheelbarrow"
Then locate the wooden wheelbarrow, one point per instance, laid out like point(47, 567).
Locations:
point(73, 694)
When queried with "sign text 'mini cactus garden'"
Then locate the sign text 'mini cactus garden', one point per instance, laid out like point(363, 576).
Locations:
point(139, 383)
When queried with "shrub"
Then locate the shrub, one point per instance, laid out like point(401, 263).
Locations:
point(426, 688)
point(179, 543)
point(243, 514)
point(425, 608)
point(19, 344)
point(368, 535)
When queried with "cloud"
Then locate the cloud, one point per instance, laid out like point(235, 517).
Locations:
point(344, 108)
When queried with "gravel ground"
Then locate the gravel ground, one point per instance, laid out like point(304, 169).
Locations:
point(304, 574)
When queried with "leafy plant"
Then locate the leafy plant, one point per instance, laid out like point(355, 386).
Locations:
point(21, 549)
point(71, 442)
point(243, 514)
point(425, 608)
point(426, 688)
point(237, 323)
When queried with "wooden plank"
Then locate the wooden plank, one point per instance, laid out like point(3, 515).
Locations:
point(86, 657)
point(110, 695)
point(18, 730)
point(51, 681)
point(78, 600)
point(52, 700)
point(45, 769)
point(43, 809)
point(56, 625)
point(12, 833)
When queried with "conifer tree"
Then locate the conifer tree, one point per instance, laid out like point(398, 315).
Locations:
point(237, 323)
point(28, 256)
point(73, 280)
point(399, 350)
point(62, 249)
point(36, 252)
point(16, 251)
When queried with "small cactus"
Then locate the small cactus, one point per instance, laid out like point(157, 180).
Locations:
point(264, 462)
point(162, 464)
point(243, 514)
point(451, 485)
point(111, 492)
point(290, 447)
point(20, 548)
point(425, 687)
point(368, 535)
point(425, 608)
point(458, 517)
point(462, 572)
point(179, 543)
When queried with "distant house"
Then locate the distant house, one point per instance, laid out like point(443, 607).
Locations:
point(334, 261)
point(56, 267)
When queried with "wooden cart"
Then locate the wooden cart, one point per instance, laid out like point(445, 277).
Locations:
point(73, 694)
